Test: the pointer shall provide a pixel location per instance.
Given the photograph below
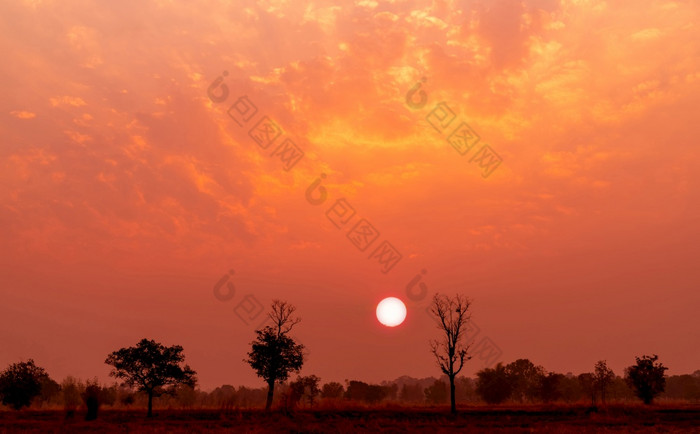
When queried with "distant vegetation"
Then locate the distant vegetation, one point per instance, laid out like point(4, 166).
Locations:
point(155, 375)
point(72, 394)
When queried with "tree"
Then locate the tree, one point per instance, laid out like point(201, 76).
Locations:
point(20, 383)
point(71, 390)
point(569, 388)
point(150, 367)
point(304, 388)
point(493, 384)
point(223, 397)
point(274, 355)
point(369, 393)
point(525, 378)
point(452, 315)
point(50, 390)
point(685, 387)
point(91, 396)
point(108, 394)
point(602, 378)
point(465, 390)
point(587, 383)
point(332, 390)
point(436, 393)
point(412, 393)
point(550, 387)
point(646, 377)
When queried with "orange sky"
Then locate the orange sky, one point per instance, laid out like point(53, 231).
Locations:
point(126, 193)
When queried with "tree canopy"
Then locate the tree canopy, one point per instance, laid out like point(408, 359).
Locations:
point(646, 377)
point(151, 366)
point(21, 382)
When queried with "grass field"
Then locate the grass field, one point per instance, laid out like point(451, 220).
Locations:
point(555, 418)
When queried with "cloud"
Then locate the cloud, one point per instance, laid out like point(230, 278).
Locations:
point(646, 34)
point(70, 101)
point(22, 114)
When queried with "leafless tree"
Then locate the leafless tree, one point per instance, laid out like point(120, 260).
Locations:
point(452, 314)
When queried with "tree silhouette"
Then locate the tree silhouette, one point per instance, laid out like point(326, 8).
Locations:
point(452, 315)
point(274, 355)
point(150, 366)
point(550, 387)
point(332, 390)
point(369, 393)
point(587, 383)
point(92, 398)
point(646, 377)
point(304, 388)
point(412, 393)
point(526, 379)
point(603, 377)
point(493, 385)
point(436, 393)
point(20, 383)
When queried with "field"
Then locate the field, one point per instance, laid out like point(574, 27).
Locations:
point(546, 419)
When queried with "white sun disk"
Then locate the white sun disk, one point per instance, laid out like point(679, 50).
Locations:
point(391, 311)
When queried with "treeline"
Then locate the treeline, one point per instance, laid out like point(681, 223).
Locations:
point(151, 371)
point(518, 382)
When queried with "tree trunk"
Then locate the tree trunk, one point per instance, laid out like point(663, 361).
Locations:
point(453, 404)
point(150, 403)
point(270, 392)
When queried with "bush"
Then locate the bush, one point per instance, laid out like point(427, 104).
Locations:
point(91, 397)
point(20, 383)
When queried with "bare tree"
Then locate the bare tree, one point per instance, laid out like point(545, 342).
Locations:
point(452, 315)
point(273, 354)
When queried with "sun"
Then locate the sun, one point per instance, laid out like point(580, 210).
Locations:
point(391, 311)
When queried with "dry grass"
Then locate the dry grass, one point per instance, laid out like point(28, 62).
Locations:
point(388, 418)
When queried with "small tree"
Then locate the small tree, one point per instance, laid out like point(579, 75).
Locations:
point(602, 378)
point(452, 315)
point(274, 355)
point(493, 385)
point(646, 377)
point(91, 396)
point(20, 383)
point(304, 388)
point(71, 391)
point(150, 367)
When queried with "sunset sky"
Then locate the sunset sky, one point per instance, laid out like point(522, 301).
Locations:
point(128, 189)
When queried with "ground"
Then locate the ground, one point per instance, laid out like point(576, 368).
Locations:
point(545, 419)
